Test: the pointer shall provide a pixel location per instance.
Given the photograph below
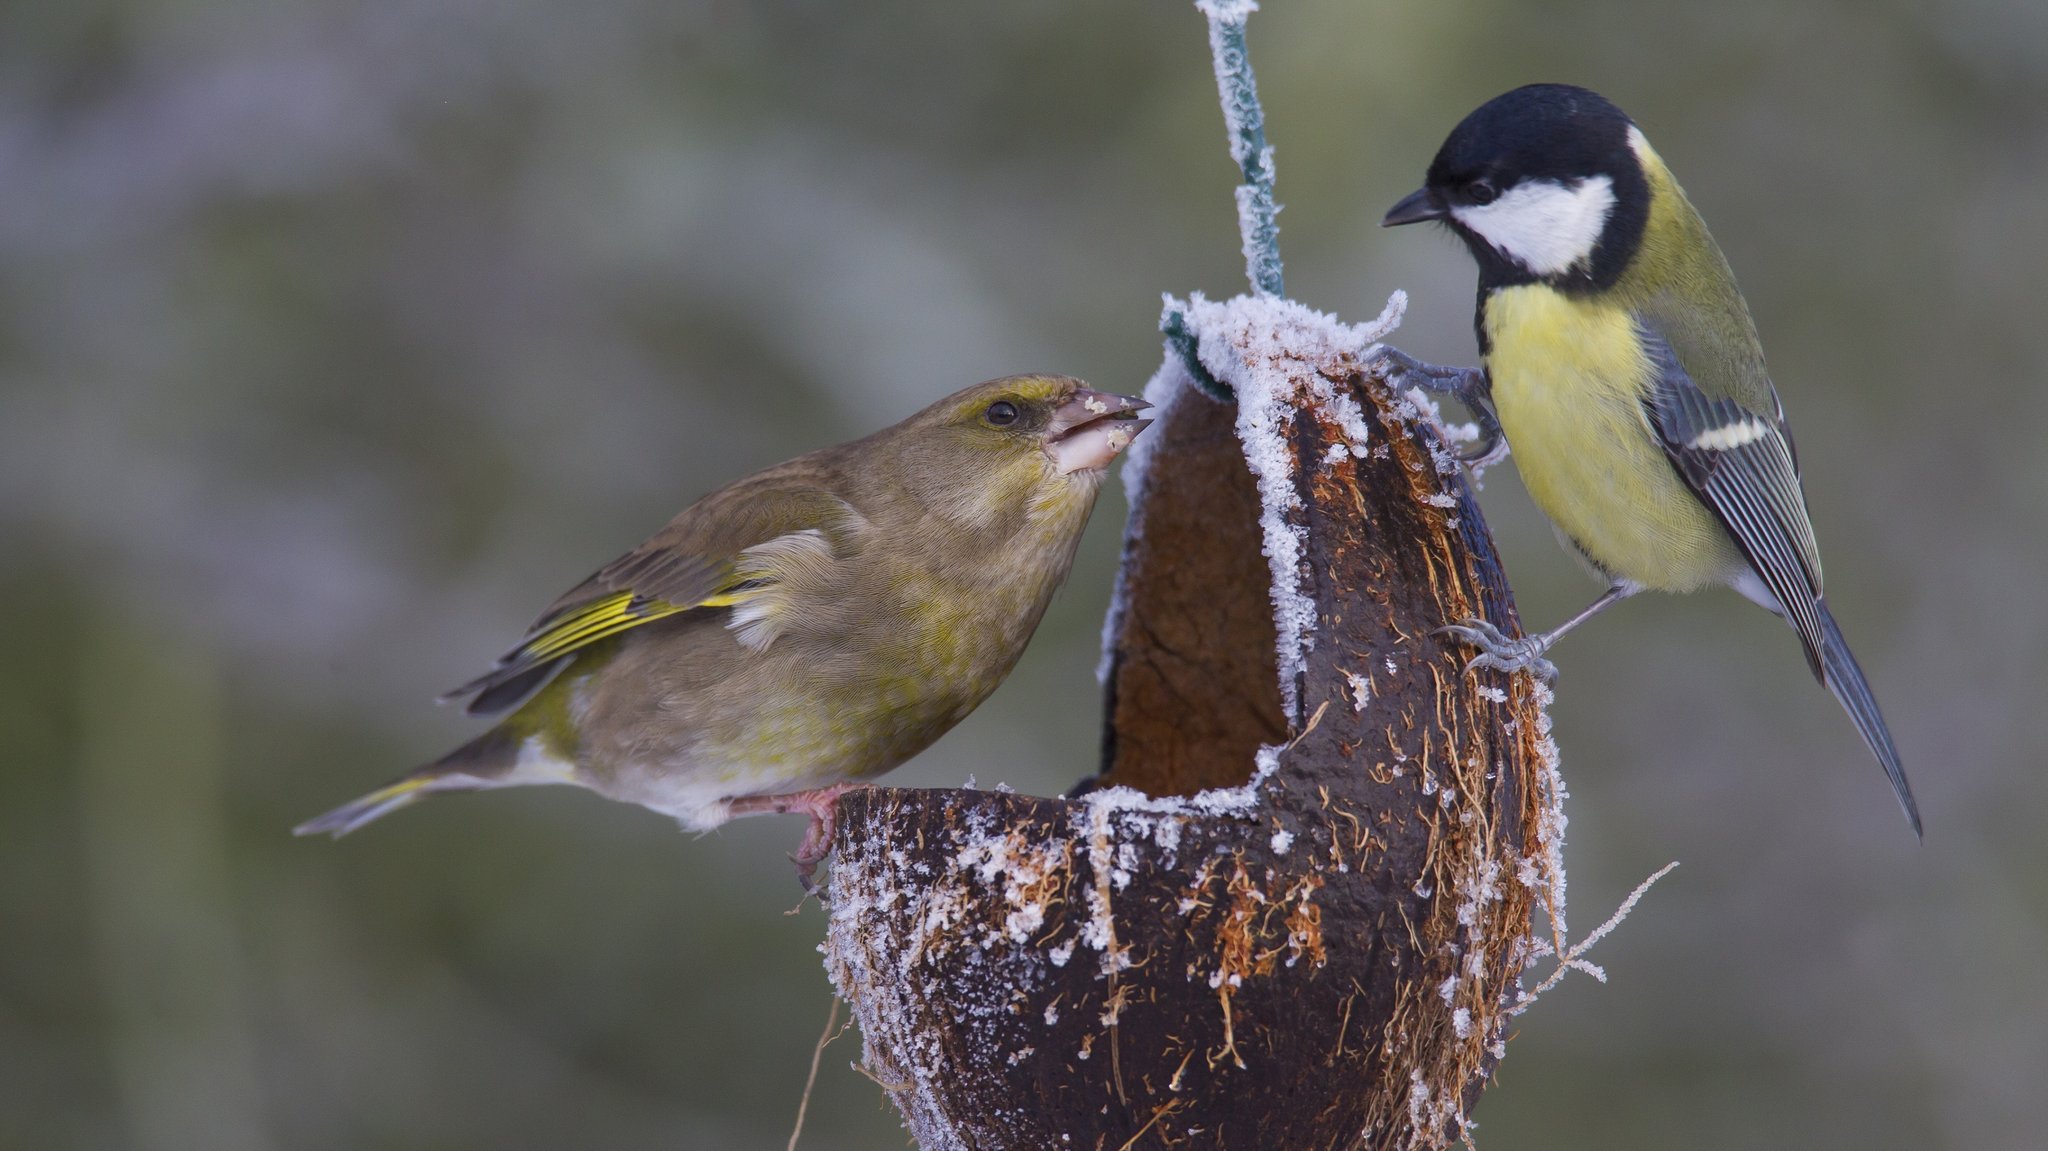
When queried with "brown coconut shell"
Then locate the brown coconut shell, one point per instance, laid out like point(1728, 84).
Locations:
point(1267, 929)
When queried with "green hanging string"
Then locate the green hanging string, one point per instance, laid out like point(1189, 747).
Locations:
point(1257, 213)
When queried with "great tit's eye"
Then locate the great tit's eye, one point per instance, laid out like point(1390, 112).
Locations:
point(1482, 191)
point(1002, 413)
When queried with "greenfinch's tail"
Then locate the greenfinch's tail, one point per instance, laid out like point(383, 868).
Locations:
point(476, 764)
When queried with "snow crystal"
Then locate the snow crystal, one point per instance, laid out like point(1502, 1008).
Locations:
point(1160, 815)
point(1244, 128)
point(1221, 14)
point(1093, 822)
point(1282, 840)
point(1480, 886)
point(1256, 224)
point(1361, 690)
point(1418, 1100)
point(1418, 405)
point(1162, 391)
point(1548, 873)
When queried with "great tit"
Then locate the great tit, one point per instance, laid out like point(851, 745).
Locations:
point(1620, 362)
point(812, 624)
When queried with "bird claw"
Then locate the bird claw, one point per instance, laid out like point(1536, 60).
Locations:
point(1469, 386)
point(806, 871)
point(1500, 651)
point(822, 805)
point(1397, 364)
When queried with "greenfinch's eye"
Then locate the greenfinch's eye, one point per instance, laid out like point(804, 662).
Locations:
point(1482, 191)
point(1002, 413)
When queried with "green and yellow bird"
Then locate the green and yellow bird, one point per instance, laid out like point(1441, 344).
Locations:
point(1621, 364)
point(813, 624)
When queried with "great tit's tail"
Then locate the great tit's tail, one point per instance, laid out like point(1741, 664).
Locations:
point(1842, 677)
point(482, 762)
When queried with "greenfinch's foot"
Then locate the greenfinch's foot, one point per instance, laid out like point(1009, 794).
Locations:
point(821, 804)
point(1498, 650)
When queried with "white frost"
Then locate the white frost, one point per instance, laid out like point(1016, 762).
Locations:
point(1270, 352)
point(1361, 690)
point(1221, 13)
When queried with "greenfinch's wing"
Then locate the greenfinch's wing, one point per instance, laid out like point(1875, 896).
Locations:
point(728, 550)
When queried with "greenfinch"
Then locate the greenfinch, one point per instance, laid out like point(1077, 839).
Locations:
point(811, 625)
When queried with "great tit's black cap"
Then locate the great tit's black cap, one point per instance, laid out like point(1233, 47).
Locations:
point(1539, 131)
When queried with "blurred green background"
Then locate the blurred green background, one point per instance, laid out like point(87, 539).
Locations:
point(336, 339)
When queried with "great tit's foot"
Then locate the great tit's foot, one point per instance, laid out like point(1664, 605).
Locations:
point(1490, 446)
point(1468, 386)
point(821, 804)
point(1502, 652)
point(1404, 369)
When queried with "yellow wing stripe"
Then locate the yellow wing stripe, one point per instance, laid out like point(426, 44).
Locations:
point(612, 615)
point(586, 625)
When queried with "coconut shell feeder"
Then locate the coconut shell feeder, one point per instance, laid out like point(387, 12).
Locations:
point(1293, 909)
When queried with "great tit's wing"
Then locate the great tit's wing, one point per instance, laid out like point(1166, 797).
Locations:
point(1740, 463)
point(728, 550)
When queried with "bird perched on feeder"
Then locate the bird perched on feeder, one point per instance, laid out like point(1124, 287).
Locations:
point(813, 624)
point(1621, 364)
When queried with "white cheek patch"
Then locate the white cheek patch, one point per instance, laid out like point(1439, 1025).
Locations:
point(1547, 227)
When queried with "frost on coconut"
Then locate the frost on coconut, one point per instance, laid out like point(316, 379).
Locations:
point(995, 945)
point(1270, 353)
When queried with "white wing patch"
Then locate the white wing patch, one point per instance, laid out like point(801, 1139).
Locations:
point(1728, 437)
point(753, 624)
point(804, 558)
point(1547, 227)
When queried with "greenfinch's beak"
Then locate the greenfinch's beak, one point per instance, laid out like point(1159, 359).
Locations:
point(1090, 428)
point(1414, 208)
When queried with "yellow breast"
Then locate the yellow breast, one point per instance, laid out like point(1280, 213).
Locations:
point(1568, 377)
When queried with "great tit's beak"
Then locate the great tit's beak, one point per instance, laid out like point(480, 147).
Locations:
point(1414, 208)
point(1091, 427)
